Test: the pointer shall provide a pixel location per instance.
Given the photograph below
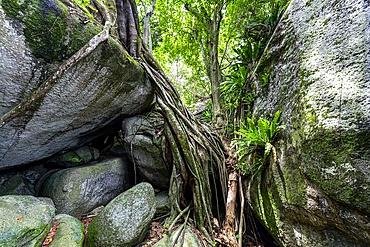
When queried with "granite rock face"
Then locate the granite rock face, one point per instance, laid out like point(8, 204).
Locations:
point(186, 235)
point(162, 202)
point(76, 157)
point(96, 92)
point(17, 185)
point(318, 61)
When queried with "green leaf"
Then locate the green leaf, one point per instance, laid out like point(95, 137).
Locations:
point(124, 201)
point(252, 127)
point(273, 128)
point(263, 127)
point(276, 117)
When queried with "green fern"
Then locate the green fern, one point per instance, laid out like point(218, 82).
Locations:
point(253, 140)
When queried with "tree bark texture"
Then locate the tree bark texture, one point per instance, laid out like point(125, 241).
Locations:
point(229, 223)
point(147, 33)
point(127, 26)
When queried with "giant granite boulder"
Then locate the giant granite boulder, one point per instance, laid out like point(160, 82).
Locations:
point(36, 37)
point(185, 237)
point(317, 194)
point(17, 185)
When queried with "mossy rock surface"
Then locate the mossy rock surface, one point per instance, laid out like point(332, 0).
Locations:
point(317, 194)
point(125, 220)
point(78, 190)
point(24, 221)
point(70, 232)
point(37, 36)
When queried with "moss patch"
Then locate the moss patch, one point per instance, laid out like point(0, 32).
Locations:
point(51, 32)
point(337, 162)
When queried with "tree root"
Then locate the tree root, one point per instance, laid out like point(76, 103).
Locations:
point(196, 150)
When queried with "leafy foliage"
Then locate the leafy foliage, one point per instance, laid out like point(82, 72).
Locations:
point(257, 140)
point(234, 91)
point(237, 92)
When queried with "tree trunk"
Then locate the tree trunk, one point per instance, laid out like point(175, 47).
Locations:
point(210, 56)
point(128, 26)
point(229, 223)
point(215, 79)
point(197, 151)
point(147, 33)
point(214, 69)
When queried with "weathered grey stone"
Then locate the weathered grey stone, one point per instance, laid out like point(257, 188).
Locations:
point(78, 190)
point(17, 185)
point(144, 148)
point(6, 175)
point(318, 64)
point(24, 221)
point(162, 203)
point(124, 221)
point(76, 157)
point(190, 239)
point(70, 232)
point(97, 91)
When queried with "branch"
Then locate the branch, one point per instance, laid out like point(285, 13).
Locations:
point(228, 225)
point(227, 43)
point(241, 210)
point(152, 6)
point(103, 10)
point(142, 3)
point(189, 8)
